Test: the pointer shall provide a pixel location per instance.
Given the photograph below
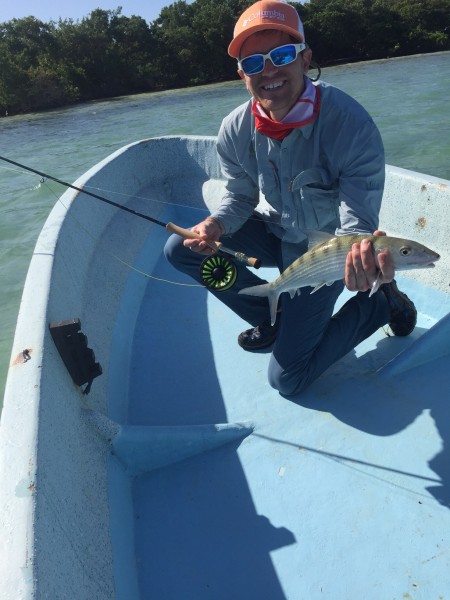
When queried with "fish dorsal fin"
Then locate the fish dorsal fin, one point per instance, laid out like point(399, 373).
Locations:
point(317, 237)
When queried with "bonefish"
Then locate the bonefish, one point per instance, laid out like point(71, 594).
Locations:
point(325, 263)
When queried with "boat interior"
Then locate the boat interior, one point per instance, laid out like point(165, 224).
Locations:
point(183, 474)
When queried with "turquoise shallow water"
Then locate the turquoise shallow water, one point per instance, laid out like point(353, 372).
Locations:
point(407, 97)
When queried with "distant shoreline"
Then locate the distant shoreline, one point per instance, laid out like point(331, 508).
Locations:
point(208, 85)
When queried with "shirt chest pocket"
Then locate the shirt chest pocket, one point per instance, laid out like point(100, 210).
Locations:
point(319, 198)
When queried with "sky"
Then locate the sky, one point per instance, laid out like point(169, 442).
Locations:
point(52, 10)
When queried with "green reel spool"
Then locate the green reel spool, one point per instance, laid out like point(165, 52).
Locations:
point(218, 273)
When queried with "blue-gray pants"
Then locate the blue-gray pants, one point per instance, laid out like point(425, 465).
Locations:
point(310, 338)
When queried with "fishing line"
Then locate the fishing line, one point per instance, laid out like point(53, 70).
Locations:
point(171, 227)
point(115, 256)
point(151, 199)
point(103, 190)
point(136, 197)
point(107, 191)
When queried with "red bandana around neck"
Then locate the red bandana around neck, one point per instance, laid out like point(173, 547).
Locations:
point(304, 111)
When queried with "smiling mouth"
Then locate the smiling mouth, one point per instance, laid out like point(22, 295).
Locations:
point(273, 86)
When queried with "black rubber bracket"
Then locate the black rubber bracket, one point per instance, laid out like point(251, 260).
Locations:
point(72, 346)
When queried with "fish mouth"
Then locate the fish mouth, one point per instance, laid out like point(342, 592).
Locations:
point(429, 264)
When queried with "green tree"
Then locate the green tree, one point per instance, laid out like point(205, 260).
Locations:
point(214, 23)
point(27, 48)
point(427, 24)
point(134, 50)
point(12, 81)
point(107, 54)
point(175, 43)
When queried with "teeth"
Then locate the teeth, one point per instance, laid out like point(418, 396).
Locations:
point(273, 86)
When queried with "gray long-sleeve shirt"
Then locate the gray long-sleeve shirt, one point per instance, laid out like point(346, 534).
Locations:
point(327, 175)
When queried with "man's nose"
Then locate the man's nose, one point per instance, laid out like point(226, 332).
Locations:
point(269, 67)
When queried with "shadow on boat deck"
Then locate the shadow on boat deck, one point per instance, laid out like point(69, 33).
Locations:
point(197, 531)
point(382, 405)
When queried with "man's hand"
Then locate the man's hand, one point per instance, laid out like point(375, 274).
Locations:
point(210, 230)
point(361, 270)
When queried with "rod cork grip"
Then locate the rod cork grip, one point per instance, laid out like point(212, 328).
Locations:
point(188, 234)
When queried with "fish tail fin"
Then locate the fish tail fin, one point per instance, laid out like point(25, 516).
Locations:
point(256, 290)
point(264, 290)
point(273, 305)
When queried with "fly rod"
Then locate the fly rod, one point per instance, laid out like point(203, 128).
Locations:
point(171, 227)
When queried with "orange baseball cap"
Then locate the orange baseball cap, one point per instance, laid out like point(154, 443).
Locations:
point(266, 14)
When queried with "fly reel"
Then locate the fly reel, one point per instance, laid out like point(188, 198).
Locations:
point(218, 273)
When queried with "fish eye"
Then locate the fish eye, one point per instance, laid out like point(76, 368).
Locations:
point(405, 250)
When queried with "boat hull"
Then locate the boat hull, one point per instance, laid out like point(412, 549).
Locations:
point(183, 474)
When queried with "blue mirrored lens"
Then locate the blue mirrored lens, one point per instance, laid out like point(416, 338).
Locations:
point(253, 64)
point(283, 56)
point(279, 57)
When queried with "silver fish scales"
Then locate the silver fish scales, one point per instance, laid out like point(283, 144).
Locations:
point(324, 264)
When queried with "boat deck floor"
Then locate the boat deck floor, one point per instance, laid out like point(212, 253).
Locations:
point(341, 493)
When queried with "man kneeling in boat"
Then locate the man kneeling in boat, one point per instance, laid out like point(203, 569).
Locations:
point(318, 159)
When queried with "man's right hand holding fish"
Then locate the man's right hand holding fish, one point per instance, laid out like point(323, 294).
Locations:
point(361, 269)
